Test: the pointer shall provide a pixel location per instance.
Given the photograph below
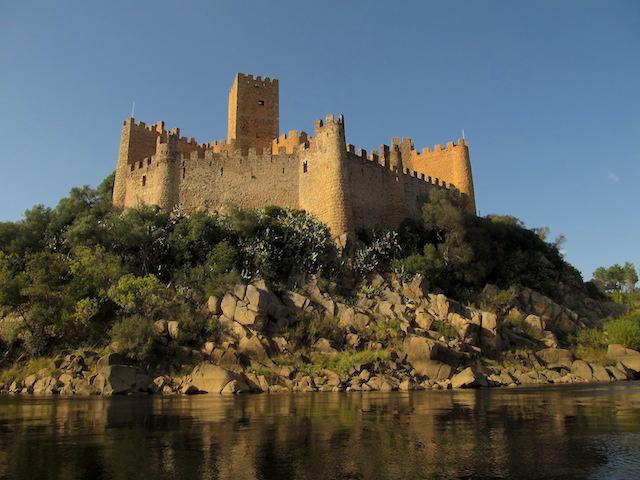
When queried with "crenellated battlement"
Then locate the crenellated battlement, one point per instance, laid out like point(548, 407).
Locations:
point(328, 120)
point(256, 165)
point(438, 148)
point(375, 160)
point(251, 79)
point(157, 127)
point(289, 141)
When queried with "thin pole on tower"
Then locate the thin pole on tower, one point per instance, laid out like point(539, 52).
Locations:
point(133, 108)
point(463, 135)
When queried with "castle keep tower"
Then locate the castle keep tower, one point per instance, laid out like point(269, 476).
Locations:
point(254, 112)
point(256, 166)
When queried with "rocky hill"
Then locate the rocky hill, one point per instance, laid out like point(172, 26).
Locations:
point(391, 335)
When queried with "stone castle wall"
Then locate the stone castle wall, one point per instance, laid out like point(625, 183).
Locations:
point(253, 168)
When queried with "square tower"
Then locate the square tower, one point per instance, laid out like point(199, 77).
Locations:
point(254, 112)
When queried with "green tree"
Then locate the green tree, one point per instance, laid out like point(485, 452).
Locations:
point(144, 296)
point(28, 234)
point(94, 271)
point(616, 278)
point(135, 337)
point(47, 302)
point(140, 236)
point(194, 237)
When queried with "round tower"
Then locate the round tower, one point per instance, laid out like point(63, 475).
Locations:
point(323, 184)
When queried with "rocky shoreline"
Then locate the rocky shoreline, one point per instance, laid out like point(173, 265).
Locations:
point(392, 335)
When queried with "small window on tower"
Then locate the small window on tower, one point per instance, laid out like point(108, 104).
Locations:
point(144, 180)
point(260, 102)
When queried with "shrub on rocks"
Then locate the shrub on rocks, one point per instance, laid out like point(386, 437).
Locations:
point(624, 330)
point(134, 336)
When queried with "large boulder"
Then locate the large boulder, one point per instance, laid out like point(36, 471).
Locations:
point(416, 289)
point(112, 359)
point(429, 356)
point(210, 378)
point(616, 373)
point(214, 305)
point(628, 358)
point(81, 386)
point(423, 318)
point(433, 369)
point(248, 317)
point(535, 322)
point(468, 329)
point(252, 348)
point(295, 300)
point(382, 383)
point(46, 386)
point(469, 378)
point(581, 369)
point(600, 373)
point(556, 358)
point(173, 328)
point(29, 382)
point(490, 340)
point(440, 305)
point(121, 379)
point(235, 386)
point(257, 299)
point(228, 305)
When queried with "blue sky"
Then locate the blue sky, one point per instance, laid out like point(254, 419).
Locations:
point(546, 91)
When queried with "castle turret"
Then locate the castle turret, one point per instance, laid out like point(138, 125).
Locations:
point(254, 112)
point(462, 176)
point(166, 188)
point(120, 182)
point(137, 141)
point(323, 180)
point(396, 210)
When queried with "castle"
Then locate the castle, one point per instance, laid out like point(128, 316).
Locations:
point(256, 166)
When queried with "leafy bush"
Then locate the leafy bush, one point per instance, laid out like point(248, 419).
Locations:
point(193, 325)
point(501, 301)
point(624, 330)
point(19, 371)
point(430, 264)
point(139, 295)
point(134, 336)
point(380, 250)
point(276, 242)
point(444, 329)
point(590, 344)
point(385, 329)
point(591, 338)
point(342, 362)
point(311, 327)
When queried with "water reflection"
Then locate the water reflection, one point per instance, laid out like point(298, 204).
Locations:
point(558, 432)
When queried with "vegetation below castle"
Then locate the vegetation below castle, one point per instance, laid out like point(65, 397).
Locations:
point(83, 276)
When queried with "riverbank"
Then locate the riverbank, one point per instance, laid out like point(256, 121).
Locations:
point(393, 334)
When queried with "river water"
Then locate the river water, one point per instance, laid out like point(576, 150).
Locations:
point(586, 431)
